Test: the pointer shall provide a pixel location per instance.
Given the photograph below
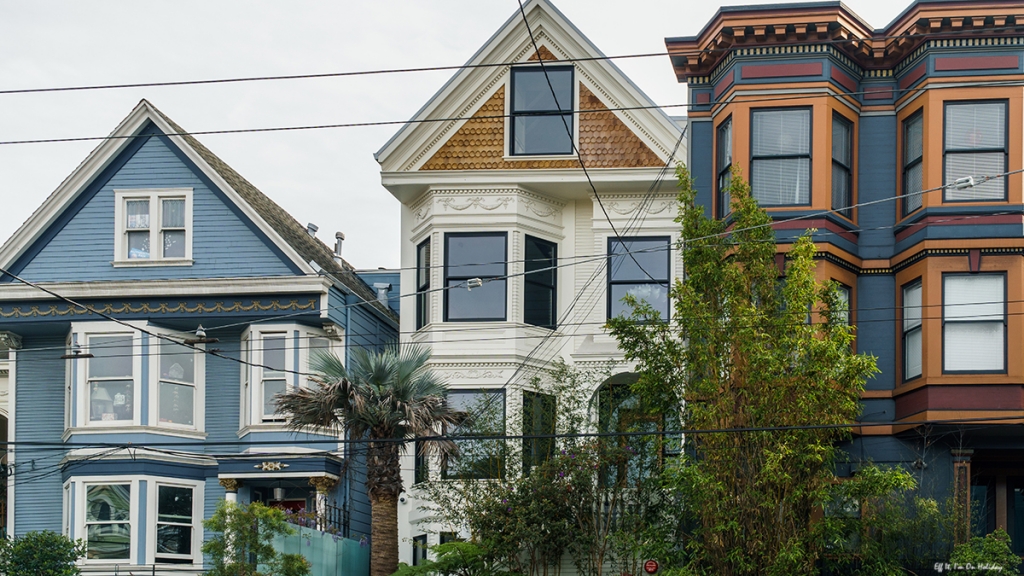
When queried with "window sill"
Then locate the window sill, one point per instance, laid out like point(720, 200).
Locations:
point(145, 263)
point(279, 427)
point(133, 429)
point(572, 156)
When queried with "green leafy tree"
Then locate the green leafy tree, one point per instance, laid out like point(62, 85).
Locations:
point(747, 349)
point(981, 556)
point(382, 397)
point(242, 543)
point(41, 554)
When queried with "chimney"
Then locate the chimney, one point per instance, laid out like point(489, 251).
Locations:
point(339, 237)
point(382, 292)
point(311, 229)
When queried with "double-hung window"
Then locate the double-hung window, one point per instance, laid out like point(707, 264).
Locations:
point(423, 284)
point(912, 330)
point(974, 323)
point(638, 267)
point(177, 383)
point(913, 158)
point(540, 283)
point(153, 226)
point(480, 458)
point(274, 379)
point(975, 144)
point(175, 524)
point(470, 257)
point(780, 163)
point(108, 527)
point(724, 164)
point(277, 357)
point(844, 301)
point(111, 378)
point(541, 111)
point(842, 165)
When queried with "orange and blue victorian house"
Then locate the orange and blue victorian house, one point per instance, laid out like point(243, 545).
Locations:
point(902, 148)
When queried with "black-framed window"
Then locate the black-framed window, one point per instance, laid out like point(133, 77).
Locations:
point(724, 167)
point(913, 157)
point(446, 537)
point(423, 284)
point(845, 300)
point(541, 283)
point(640, 267)
point(538, 419)
point(912, 349)
point(419, 549)
point(421, 464)
point(842, 165)
point(975, 144)
point(472, 256)
point(974, 323)
point(479, 458)
point(780, 160)
point(541, 121)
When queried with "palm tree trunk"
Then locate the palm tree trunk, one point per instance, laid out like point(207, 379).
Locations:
point(384, 534)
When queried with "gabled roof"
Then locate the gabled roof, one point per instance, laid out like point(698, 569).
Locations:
point(277, 224)
point(462, 95)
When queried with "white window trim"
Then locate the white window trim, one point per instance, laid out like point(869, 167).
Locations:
point(152, 517)
point(252, 391)
point(81, 331)
point(199, 395)
point(154, 195)
point(77, 486)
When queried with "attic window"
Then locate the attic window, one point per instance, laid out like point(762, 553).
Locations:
point(542, 118)
point(153, 227)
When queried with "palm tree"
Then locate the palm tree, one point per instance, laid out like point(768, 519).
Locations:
point(384, 398)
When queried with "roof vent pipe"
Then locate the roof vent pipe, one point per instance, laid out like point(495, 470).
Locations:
point(382, 289)
point(339, 237)
point(311, 229)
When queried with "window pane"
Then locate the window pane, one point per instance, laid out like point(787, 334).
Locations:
point(844, 301)
point(273, 356)
point(137, 214)
point(112, 356)
point(911, 307)
point(912, 354)
point(476, 256)
point(111, 400)
point(173, 213)
point(173, 539)
point(781, 132)
point(108, 503)
point(912, 184)
point(175, 504)
point(655, 294)
point(841, 141)
point(538, 419)
point(177, 402)
point(272, 388)
point(781, 181)
point(913, 139)
point(542, 134)
point(174, 244)
point(724, 145)
point(840, 188)
point(639, 259)
point(109, 541)
point(138, 245)
point(980, 297)
point(532, 91)
point(479, 458)
point(485, 302)
point(975, 126)
point(539, 289)
point(976, 164)
point(423, 265)
point(177, 362)
point(973, 346)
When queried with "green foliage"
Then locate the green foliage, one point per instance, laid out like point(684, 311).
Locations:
point(983, 556)
point(759, 352)
point(242, 543)
point(453, 559)
point(41, 554)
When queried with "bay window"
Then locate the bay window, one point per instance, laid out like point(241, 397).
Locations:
point(153, 226)
point(484, 458)
point(471, 256)
point(975, 144)
point(108, 526)
point(175, 524)
point(277, 359)
point(912, 330)
point(111, 378)
point(780, 163)
point(974, 323)
point(422, 284)
point(177, 383)
point(638, 267)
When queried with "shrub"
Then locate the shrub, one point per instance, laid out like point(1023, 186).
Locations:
point(41, 554)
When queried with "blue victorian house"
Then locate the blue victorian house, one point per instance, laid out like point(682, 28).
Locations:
point(153, 307)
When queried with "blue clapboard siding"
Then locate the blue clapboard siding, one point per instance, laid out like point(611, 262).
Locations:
point(368, 332)
point(393, 277)
point(223, 245)
point(223, 393)
point(39, 417)
point(358, 500)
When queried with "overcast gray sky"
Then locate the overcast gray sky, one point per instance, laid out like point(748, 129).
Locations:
point(329, 176)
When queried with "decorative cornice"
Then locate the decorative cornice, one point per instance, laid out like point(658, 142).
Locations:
point(147, 308)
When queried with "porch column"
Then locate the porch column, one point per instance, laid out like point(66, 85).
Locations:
point(324, 486)
point(962, 494)
point(231, 486)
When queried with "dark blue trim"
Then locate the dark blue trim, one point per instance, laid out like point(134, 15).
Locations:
point(133, 467)
point(303, 464)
